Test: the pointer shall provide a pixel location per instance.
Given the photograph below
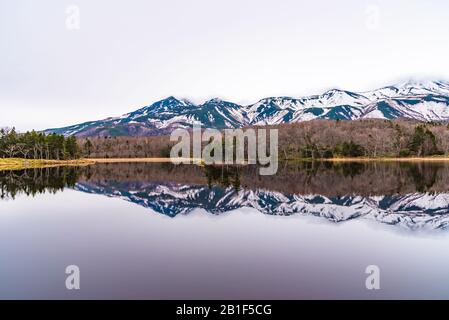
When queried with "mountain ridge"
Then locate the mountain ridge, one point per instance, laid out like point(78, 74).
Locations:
point(416, 100)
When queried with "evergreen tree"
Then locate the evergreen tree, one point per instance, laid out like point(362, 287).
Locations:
point(37, 145)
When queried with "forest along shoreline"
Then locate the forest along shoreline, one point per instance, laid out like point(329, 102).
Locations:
point(316, 140)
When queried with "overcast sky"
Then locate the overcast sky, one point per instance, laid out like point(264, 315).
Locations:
point(127, 54)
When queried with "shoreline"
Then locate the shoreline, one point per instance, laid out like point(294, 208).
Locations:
point(388, 159)
point(338, 159)
point(131, 160)
point(19, 163)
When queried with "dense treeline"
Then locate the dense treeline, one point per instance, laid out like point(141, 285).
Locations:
point(36, 145)
point(368, 138)
point(313, 139)
point(126, 147)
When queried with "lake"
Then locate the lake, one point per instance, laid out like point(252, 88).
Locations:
point(161, 231)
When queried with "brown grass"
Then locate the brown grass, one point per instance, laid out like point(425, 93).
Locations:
point(19, 164)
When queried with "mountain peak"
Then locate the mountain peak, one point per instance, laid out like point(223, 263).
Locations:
point(422, 84)
point(214, 100)
point(170, 99)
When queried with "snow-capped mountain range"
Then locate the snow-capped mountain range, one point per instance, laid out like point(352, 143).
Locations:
point(418, 100)
point(414, 211)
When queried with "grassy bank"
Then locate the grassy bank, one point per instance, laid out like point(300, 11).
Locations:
point(18, 163)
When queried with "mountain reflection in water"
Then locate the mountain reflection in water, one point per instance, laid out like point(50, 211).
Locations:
point(412, 195)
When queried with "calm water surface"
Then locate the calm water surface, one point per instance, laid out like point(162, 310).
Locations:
point(160, 231)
